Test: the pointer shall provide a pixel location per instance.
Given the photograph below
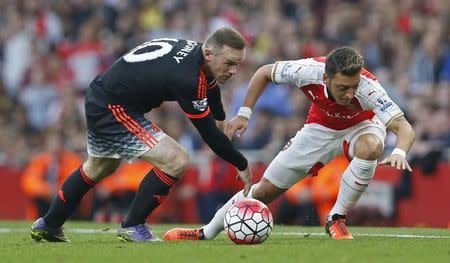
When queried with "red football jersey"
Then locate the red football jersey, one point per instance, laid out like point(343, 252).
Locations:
point(307, 75)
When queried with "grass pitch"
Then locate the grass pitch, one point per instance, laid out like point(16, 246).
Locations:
point(97, 243)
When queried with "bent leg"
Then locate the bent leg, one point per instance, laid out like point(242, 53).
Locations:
point(264, 191)
point(367, 148)
point(97, 169)
point(169, 160)
point(170, 157)
point(76, 186)
point(291, 165)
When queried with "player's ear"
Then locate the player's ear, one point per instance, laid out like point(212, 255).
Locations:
point(325, 78)
point(207, 54)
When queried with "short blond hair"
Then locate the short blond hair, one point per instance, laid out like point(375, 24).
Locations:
point(225, 36)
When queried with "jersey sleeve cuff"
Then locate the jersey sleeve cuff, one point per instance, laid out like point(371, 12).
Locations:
point(393, 118)
point(274, 70)
point(198, 116)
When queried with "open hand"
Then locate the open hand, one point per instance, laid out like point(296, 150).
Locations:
point(246, 177)
point(238, 124)
point(398, 161)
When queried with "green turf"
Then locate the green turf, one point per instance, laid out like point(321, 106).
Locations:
point(286, 244)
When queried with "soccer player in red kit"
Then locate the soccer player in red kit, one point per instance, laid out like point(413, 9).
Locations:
point(349, 114)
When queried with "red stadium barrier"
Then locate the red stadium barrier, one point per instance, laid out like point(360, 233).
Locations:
point(13, 201)
point(428, 204)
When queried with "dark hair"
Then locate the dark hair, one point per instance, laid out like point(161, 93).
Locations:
point(225, 37)
point(345, 60)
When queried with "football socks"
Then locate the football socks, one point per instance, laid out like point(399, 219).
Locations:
point(68, 198)
point(152, 191)
point(354, 182)
point(213, 228)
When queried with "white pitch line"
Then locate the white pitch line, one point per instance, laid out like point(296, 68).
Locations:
point(363, 235)
point(113, 231)
point(70, 230)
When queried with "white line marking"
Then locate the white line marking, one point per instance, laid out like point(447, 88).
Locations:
point(113, 231)
point(363, 235)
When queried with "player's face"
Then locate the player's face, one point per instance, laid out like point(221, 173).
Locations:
point(342, 87)
point(224, 63)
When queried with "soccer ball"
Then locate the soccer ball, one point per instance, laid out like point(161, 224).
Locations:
point(248, 221)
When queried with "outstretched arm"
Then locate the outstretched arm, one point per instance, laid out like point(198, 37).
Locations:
point(405, 138)
point(196, 108)
point(257, 85)
point(220, 145)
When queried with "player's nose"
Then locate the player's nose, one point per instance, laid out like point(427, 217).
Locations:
point(233, 70)
point(350, 94)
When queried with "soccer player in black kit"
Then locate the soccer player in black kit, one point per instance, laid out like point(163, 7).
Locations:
point(159, 70)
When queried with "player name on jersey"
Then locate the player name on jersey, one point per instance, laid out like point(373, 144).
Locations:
point(185, 50)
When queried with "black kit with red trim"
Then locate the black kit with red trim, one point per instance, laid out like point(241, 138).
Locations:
point(164, 70)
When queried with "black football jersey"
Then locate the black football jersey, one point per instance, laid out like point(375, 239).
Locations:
point(168, 70)
point(157, 71)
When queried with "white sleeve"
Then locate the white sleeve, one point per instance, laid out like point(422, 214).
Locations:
point(373, 97)
point(298, 73)
point(288, 72)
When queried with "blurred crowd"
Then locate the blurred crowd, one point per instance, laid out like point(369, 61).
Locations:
point(50, 50)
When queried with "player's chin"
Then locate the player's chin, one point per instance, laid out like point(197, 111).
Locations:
point(343, 103)
point(223, 79)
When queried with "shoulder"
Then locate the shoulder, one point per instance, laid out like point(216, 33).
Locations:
point(191, 84)
point(369, 85)
point(368, 75)
point(310, 64)
point(188, 67)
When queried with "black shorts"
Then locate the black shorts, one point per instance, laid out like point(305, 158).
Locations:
point(119, 132)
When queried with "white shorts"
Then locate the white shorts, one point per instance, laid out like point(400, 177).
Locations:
point(313, 147)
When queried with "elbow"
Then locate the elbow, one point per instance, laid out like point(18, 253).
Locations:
point(412, 134)
point(266, 72)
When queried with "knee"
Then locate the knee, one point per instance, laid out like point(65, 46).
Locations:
point(261, 195)
point(99, 169)
point(265, 192)
point(368, 147)
point(179, 160)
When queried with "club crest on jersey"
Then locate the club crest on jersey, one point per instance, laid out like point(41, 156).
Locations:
point(384, 104)
point(200, 105)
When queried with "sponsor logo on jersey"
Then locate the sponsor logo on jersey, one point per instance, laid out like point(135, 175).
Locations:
point(384, 104)
point(200, 105)
point(339, 115)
